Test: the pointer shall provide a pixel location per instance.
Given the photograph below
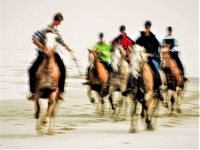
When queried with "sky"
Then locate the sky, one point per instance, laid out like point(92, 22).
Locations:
point(84, 19)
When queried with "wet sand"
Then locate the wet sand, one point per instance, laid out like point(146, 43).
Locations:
point(77, 125)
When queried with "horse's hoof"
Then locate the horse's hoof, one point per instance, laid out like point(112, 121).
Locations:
point(50, 132)
point(179, 110)
point(38, 125)
point(37, 115)
point(132, 130)
point(44, 122)
point(142, 115)
point(92, 100)
point(40, 132)
point(116, 118)
point(164, 104)
point(172, 114)
point(150, 127)
point(101, 113)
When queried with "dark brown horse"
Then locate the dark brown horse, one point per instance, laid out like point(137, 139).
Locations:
point(47, 77)
point(174, 80)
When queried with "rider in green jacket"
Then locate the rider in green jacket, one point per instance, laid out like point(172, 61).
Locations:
point(102, 50)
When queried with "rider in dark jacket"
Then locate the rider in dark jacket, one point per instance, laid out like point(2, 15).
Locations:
point(149, 41)
point(151, 44)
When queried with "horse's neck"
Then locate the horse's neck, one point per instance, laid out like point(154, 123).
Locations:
point(51, 40)
point(48, 64)
point(51, 45)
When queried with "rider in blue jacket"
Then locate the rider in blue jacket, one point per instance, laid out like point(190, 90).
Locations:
point(171, 42)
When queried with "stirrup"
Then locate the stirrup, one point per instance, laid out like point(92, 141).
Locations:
point(30, 96)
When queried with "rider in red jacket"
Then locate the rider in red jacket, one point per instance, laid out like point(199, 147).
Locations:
point(124, 40)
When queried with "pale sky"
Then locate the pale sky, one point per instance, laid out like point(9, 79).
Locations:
point(83, 19)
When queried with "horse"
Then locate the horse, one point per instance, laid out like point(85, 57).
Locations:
point(98, 78)
point(47, 77)
point(118, 79)
point(143, 88)
point(174, 80)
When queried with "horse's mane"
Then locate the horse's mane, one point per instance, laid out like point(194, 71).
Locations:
point(116, 57)
point(91, 59)
point(138, 57)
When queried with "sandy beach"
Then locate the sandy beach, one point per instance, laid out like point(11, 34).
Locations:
point(77, 125)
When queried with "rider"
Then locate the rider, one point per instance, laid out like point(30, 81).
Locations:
point(171, 42)
point(126, 43)
point(102, 50)
point(39, 40)
point(151, 44)
point(124, 40)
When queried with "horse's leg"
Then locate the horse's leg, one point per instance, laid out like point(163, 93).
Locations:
point(90, 95)
point(51, 107)
point(101, 105)
point(125, 106)
point(119, 107)
point(165, 101)
point(172, 100)
point(111, 102)
point(37, 107)
point(148, 106)
point(132, 128)
point(37, 112)
point(179, 102)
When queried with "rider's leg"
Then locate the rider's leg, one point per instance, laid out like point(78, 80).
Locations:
point(128, 86)
point(32, 70)
point(156, 69)
point(175, 56)
point(61, 83)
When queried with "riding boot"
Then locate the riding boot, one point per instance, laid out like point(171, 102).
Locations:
point(128, 87)
point(61, 82)
point(87, 77)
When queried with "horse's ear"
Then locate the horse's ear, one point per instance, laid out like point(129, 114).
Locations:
point(89, 50)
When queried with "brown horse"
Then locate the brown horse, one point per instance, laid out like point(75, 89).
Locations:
point(98, 81)
point(174, 80)
point(143, 89)
point(47, 77)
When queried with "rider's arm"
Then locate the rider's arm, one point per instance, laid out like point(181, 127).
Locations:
point(61, 41)
point(67, 47)
point(38, 44)
point(38, 39)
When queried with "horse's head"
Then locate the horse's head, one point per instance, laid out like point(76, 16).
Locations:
point(165, 56)
point(138, 58)
point(50, 41)
point(117, 53)
point(92, 58)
